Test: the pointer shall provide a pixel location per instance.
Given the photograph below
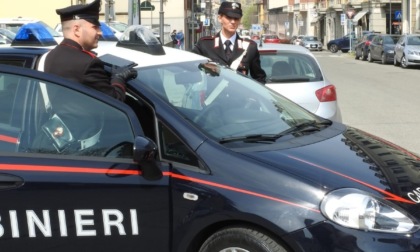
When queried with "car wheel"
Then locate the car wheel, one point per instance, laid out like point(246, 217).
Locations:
point(333, 48)
point(369, 57)
point(363, 55)
point(383, 59)
point(395, 60)
point(240, 240)
point(404, 62)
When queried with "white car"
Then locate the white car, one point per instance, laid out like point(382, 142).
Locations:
point(294, 72)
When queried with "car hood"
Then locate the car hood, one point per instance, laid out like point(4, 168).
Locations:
point(413, 47)
point(353, 159)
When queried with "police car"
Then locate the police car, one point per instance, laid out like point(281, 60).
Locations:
point(198, 158)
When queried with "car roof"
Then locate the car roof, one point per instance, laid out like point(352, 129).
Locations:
point(143, 54)
point(172, 55)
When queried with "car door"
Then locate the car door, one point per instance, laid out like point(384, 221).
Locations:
point(68, 181)
point(375, 47)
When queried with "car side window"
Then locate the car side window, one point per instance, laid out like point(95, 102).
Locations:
point(42, 117)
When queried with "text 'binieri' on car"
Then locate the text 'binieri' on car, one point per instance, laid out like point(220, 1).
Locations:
point(294, 72)
point(197, 158)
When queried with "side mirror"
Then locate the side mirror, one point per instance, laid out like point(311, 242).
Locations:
point(144, 153)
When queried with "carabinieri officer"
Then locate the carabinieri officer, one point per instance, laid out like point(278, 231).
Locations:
point(227, 48)
point(73, 57)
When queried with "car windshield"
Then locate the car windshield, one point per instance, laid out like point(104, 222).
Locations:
point(391, 40)
point(311, 38)
point(223, 103)
point(288, 66)
point(414, 40)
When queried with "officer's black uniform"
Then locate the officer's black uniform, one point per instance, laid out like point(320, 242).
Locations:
point(69, 117)
point(213, 48)
point(69, 60)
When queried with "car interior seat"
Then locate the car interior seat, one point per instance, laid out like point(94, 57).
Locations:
point(266, 64)
point(281, 68)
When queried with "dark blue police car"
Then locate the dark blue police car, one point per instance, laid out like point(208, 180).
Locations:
point(198, 158)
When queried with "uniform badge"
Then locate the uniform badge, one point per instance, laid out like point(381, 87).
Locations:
point(235, 5)
point(216, 42)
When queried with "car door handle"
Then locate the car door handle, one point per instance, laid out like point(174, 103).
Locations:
point(8, 181)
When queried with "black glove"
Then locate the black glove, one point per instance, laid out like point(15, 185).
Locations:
point(123, 74)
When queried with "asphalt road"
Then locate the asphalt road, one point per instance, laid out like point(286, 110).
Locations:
point(381, 99)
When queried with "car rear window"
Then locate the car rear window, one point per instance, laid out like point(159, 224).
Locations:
point(286, 67)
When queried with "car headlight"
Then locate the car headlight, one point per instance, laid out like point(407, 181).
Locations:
point(390, 51)
point(357, 209)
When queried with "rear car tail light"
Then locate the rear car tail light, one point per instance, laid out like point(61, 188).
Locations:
point(367, 43)
point(326, 94)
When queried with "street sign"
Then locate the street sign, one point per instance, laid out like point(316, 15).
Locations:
point(343, 19)
point(350, 13)
point(398, 14)
point(206, 22)
point(286, 25)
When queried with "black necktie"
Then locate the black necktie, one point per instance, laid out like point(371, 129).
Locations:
point(228, 51)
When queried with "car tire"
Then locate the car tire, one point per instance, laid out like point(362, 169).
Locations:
point(395, 60)
point(241, 240)
point(383, 59)
point(333, 48)
point(356, 57)
point(369, 57)
point(363, 55)
point(404, 62)
point(344, 50)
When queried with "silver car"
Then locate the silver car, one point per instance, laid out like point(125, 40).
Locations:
point(294, 72)
point(407, 51)
point(311, 43)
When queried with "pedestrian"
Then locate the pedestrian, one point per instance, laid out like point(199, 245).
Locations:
point(228, 48)
point(174, 41)
point(180, 39)
point(73, 57)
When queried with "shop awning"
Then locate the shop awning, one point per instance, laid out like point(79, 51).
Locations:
point(359, 15)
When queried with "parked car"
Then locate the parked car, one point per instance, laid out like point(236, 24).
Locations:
point(407, 51)
point(362, 48)
point(197, 158)
point(311, 42)
point(382, 48)
point(294, 72)
point(343, 43)
point(270, 38)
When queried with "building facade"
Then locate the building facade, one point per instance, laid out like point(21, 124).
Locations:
point(330, 19)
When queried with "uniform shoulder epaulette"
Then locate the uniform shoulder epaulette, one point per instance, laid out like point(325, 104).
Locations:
point(208, 38)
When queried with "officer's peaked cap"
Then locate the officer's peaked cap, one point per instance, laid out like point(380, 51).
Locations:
point(231, 9)
point(88, 12)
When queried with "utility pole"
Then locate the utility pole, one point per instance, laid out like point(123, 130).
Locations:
point(109, 11)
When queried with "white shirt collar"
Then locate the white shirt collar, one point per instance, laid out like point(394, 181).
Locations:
point(232, 39)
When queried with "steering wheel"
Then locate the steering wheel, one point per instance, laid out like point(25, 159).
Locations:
point(210, 117)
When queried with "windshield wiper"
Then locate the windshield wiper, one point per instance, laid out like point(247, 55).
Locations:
point(304, 127)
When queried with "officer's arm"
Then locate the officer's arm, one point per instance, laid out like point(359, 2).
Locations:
point(256, 70)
